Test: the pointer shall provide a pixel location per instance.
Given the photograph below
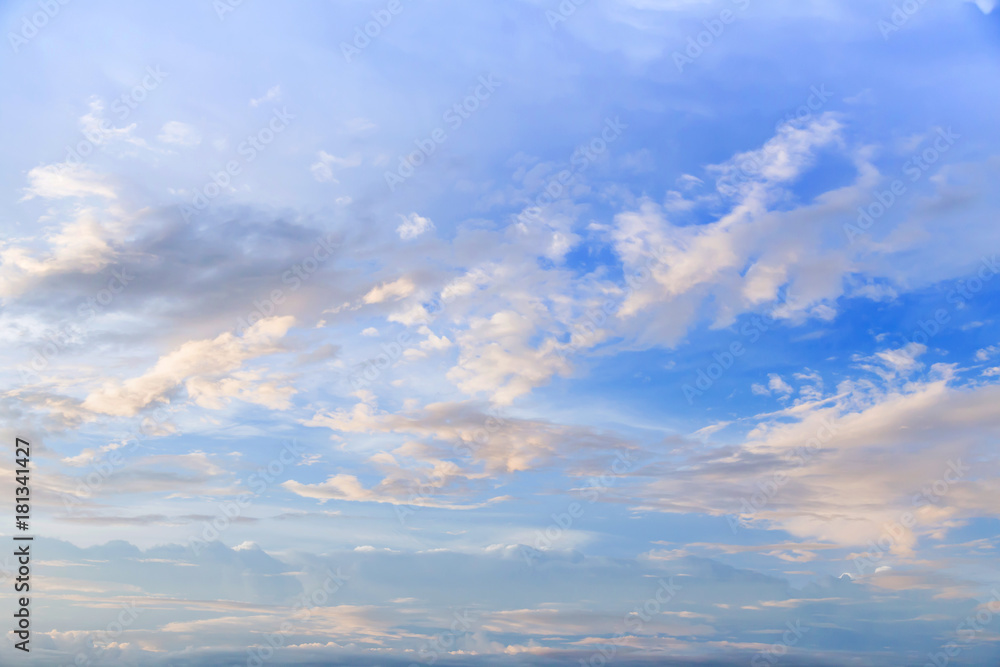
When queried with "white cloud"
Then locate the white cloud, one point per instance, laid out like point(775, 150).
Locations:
point(322, 169)
point(396, 290)
point(84, 244)
point(500, 444)
point(432, 343)
point(776, 384)
point(249, 386)
point(360, 125)
point(98, 130)
point(895, 363)
point(496, 357)
point(273, 94)
point(413, 226)
point(398, 489)
point(56, 181)
point(179, 134)
point(205, 368)
point(987, 352)
point(920, 431)
point(745, 258)
point(706, 431)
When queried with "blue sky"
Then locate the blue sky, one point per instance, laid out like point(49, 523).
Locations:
point(613, 332)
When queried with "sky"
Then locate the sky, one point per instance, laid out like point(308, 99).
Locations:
point(592, 332)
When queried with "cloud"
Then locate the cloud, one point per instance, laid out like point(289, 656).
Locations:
point(829, 489)
point(322, 169)
point(360, 125)
point(496, 358)
point(775, 385)
point(273, 94)
point(706, 431)
point(987, 353)
point(894, 363)
point(401, 486)
point(740, 269)
point(179, 134)
point(99, 131)
point(500, 444)
point(85, 245)
point(432, 343)
point(321, 353)
point(204, 368)
point(247, 386)
point(57, 181)
point(567, 616)
point(413, 226)
point(626, 274)
point(395, 290)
